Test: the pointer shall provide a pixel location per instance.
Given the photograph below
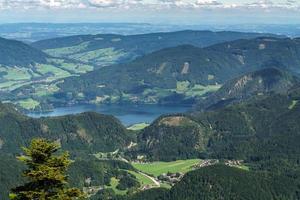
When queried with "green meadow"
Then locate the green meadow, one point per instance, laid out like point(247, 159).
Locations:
point(158, 168)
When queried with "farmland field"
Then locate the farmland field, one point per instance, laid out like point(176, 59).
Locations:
point(158, 168)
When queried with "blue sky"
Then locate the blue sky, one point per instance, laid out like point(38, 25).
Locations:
point(154, 11)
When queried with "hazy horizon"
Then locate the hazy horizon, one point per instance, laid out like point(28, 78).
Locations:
point(186, 12)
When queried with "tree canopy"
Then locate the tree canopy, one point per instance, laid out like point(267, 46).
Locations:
point(46, 173)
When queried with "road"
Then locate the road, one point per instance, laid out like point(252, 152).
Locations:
point(152, 179)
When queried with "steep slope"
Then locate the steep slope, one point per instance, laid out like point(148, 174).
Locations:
point(264, 52)
point(222, 182)
point(173, 137)
point(261, 82)
point(86, 132)
point(105, 49)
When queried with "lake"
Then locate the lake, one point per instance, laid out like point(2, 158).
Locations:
point(127, 114)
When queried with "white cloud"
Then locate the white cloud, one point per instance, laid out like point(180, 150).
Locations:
point(208, 3)
point(149, 4)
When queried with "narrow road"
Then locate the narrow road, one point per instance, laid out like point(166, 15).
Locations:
point(152, 179)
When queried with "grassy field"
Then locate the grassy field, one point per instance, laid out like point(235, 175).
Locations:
point(56, 72)
point(14, 73)
point(137, 127)
point(243, 167)
point(105, 56)
point(29, 104)
point(200, 90)
point(44, 90)
point(158, 168)
point(64, 51)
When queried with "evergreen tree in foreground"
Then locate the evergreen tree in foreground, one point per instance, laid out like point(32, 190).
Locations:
point(46, 173)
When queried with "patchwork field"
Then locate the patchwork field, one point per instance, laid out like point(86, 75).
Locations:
point(82, 53)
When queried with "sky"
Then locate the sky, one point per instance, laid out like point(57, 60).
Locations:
point(152, 11)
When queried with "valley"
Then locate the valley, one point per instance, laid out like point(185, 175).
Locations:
point(157, 116)
point(43, 81)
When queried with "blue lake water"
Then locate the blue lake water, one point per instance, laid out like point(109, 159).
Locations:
point(127, 114)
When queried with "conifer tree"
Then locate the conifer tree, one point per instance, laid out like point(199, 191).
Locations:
point(46, 174)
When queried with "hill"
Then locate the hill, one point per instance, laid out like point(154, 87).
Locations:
point(242, 88)
point(14, 53)
point(106, 49)
point(86, 132)
point(263, 131)
point(23, 65)
point(182, 74)
point(222, 182)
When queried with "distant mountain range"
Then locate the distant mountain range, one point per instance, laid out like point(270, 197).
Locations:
point(32, 32)
point(100, 49)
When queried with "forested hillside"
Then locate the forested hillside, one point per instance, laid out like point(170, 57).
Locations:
point(222, 182)
point(14, 53)
point(89, 132)
point(242, 88)
point(262, 130)
point(180, 74)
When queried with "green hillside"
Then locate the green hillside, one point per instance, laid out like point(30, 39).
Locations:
point(24, 66)
point(183, 74)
